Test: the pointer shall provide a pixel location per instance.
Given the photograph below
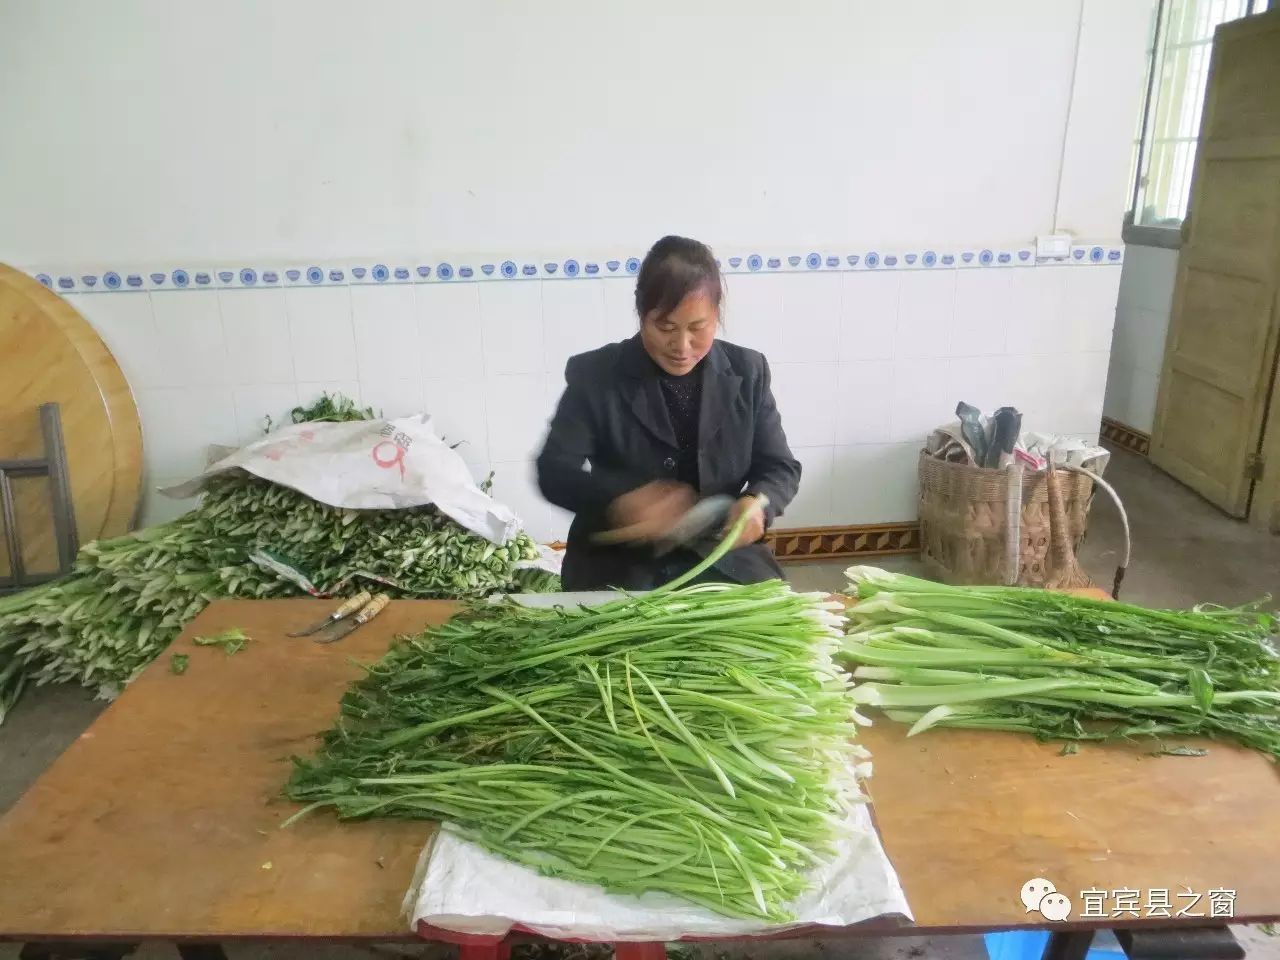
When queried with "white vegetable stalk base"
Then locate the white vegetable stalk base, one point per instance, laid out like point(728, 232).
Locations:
point(463, 888)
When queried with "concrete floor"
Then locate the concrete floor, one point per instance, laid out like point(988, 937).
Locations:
point(1184, 552)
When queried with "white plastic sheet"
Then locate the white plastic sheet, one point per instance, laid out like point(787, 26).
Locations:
point(465, 889)
point(370, 465)
point(461, 887)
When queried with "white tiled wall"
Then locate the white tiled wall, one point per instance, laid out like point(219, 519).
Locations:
point(1142, 324)
point(864, 365)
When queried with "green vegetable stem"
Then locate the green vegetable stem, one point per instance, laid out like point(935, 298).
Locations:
point(1060, 666)
point(695, 740)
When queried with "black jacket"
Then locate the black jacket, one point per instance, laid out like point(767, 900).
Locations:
point(612, 416)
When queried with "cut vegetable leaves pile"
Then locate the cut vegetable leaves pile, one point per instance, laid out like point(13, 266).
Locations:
point(694, 740)
point(127, 598)
point(1061, 666)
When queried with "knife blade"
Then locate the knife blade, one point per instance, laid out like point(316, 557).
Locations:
point(347, 608)
point(367, 613)
point(705, 515)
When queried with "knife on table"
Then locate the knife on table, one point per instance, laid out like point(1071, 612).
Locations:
point(366, 613)
point(348, 607)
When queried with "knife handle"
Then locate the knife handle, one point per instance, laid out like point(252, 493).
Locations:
point(351, 606)
point(619, 534)
point(372, 608)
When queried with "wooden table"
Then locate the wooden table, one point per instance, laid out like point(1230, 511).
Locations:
point(160, 822)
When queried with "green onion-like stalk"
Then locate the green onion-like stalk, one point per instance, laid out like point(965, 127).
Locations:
point(694, 740)
point(1061, 666)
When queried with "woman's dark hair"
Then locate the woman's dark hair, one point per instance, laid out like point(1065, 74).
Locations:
point(674, 268)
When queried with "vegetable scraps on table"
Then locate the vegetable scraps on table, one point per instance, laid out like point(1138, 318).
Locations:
point(231, 640)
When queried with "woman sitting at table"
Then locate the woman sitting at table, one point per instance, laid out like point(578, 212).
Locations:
point(648, 426)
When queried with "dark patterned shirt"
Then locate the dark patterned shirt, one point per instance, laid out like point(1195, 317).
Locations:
point(684, 404)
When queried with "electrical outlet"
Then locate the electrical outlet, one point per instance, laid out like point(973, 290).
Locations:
point(1054, 246)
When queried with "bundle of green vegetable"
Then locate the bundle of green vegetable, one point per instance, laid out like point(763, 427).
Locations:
point(694, 740)
point(127, 598)
point(330, 408)
point(1061, 666)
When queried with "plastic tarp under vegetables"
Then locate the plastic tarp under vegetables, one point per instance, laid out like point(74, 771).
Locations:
point(465, 889)
point(370, 465)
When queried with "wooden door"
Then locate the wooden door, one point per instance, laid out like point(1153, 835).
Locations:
point(1219, 361)
point(1265, 510)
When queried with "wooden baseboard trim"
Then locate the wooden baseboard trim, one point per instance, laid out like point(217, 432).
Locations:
point(1126, 436)
point(886, 539)
point(857, 540)
point(834, 543)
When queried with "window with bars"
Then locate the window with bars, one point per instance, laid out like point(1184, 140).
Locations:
point(1181, 40)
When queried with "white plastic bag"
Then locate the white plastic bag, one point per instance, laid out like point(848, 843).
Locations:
point(463, 888)
point(369, 465)
point(1066, 450)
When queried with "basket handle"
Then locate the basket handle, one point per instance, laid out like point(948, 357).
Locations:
point(1124, 523)
point(1013, 523)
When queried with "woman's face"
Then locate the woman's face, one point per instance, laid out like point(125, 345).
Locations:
point(678, 342)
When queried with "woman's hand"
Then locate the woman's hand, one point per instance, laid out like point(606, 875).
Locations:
point(754, 530)
point(649, 512)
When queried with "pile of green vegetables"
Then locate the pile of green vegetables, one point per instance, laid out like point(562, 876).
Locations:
point(329, 408)
point(694, 740)
point(127, 598)
point(1061, 666)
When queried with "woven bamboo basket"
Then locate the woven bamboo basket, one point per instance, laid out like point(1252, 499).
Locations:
point(964, 521)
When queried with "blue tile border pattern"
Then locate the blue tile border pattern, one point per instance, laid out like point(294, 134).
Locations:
point(502, 268)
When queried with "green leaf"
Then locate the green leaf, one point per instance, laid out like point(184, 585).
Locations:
point(1201, 688)
point(232, 640)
